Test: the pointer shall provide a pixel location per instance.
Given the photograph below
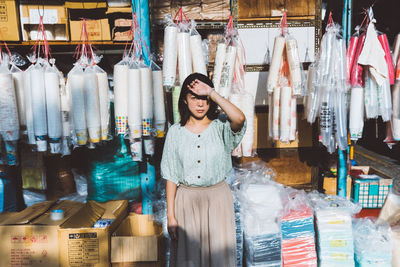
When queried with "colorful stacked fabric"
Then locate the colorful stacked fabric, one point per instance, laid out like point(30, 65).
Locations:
point(298, 242)
point(239, 235)
point(335, 237)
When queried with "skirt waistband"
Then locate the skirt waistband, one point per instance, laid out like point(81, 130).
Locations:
point(198, 188)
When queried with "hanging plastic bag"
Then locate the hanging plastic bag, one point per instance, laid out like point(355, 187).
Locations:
point(121, 95)
point(184, 53)
point(159, 106)
point(134, 100)
point(371, 97)
point(196, 48)
point(53, 107)
point(219, 64)
point(92, 104)
point(18, 78)
point(104, 101)
point(170, 52)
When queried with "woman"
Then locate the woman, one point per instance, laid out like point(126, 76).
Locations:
point(195, 162)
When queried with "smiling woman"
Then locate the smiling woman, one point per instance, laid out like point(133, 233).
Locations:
point(196, 160)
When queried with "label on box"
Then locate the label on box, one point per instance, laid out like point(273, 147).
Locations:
point(83, 248)
point(50, 16)
point(3, 12)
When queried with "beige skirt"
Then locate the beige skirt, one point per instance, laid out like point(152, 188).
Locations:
point(206, 219)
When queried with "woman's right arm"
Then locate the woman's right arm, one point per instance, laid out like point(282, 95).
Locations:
point(172, 222)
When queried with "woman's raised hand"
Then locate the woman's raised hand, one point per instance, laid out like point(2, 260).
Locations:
point(200, 88)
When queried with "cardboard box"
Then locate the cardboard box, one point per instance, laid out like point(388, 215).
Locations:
point(80, 243)
point(55, 18)
point(98, 30)
point(330, 186)
point(30, 237)
point(9, 21)
point(138, 240)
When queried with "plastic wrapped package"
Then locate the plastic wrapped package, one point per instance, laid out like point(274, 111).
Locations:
point(388, 57)
point(292, 53)
point(240, 63)
point(170, 53)
point(312, 96)
point(78, 110)
point(184, 54)
point(326, 115)
point(356, 122)
point(39, 106)
point(396, 111)
point(297, 226)
point(92, 104)
point(9, 122)
point(385, 101)
point(104, 101)
point(53, 107)
point(396, 50)
point(159, 106)
point(356, 77)
point(134, 100)
point(390, 212)
point(372, 243)
point(285, 113)
point(225, 86)
point(121, 96)
point(146, 93)
point(219, 64)
point(196, 49)
point(276, 113)
point(276, 61)
point(65, 98)
point(350, 56)
point(18, 78)
point(28, 105)
point(396, 246)
point(334, 227)
point(32, 197)
point(370, 97)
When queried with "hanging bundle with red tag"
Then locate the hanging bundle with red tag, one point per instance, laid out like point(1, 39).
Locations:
point(88, 90)
point(284, 85)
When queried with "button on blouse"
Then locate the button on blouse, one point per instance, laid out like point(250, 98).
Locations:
point(200, 159)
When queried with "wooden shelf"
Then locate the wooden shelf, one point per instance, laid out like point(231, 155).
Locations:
point(68, 43)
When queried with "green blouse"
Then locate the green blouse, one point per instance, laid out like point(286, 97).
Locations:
point(199, 159)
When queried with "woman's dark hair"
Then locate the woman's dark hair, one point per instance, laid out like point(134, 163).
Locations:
point(184, 111)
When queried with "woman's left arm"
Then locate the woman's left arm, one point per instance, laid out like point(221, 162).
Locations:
point(234, 114)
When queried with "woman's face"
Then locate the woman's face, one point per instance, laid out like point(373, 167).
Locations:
point(198, 107)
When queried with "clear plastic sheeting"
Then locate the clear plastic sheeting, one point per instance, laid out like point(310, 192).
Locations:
point(260, 203)
point(372, 244)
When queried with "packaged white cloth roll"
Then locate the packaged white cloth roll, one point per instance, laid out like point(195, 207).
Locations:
point(219, 64)
point(170, 55)
point(247, 106)
point(198, 60)
point(28, 106)
point(76, 82)
point(396, 129)
point(121, 97)
point(239, 72)
point(18, 78)
point(102, 82)
point(236, 99)
point(292, 53)
point(92, 105)
point(38, 101)
point(9, 125)
point(285, 118)
point(146, 87)
point(396, 111)
point(225, 85)
point(293, 119)
point(277, 54)
point(53, 104)
point(276, 112)
point(135, 106)
point(159, 107)
point(356, 123)
point(184, 56)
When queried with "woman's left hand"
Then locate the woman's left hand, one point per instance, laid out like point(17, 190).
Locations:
point(200, 88)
